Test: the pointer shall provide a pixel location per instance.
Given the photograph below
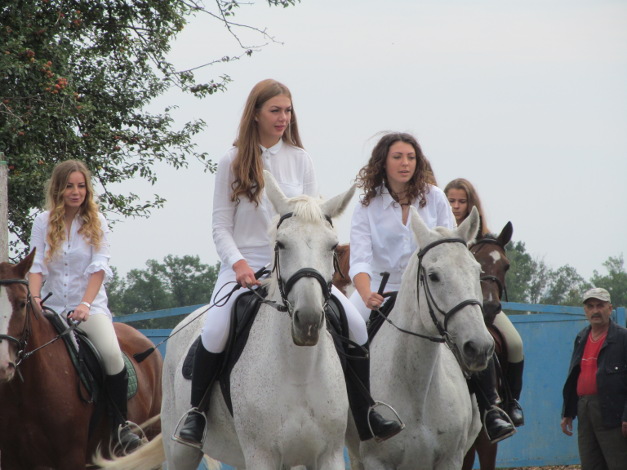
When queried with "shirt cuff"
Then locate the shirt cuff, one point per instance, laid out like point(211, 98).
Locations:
point(97, 266)
point(360, 268)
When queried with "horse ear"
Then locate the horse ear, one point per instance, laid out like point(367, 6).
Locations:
point(420, 229)
point(336, 205)
point(275, 194)
point(24, 266)
point(469, 228)
point(506, 234)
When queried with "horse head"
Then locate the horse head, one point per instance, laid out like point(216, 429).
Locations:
point(304, 246)
point(489, 251)
point(448, 289)
point(14, 298)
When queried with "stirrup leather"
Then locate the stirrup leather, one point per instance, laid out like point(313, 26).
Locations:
point(176, 437)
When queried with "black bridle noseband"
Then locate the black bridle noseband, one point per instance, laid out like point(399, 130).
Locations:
point(489, 278)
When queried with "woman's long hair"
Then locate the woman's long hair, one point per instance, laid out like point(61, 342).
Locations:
point(372, 176)
point(88, 211)
point(247, 165)
point(472, 197)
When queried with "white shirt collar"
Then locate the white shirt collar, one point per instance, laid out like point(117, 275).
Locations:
point(274, 149)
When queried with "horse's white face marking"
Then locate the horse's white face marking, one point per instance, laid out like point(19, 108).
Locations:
point(6, 310)
point(496, 256)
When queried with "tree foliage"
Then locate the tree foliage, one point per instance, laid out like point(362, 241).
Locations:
point(530, 280)
point(75, 79)
point(176, 282)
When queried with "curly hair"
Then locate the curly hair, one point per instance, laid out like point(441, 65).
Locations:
point(372, 176)
point(472, 198)
point(247, 165)
point(91, 229)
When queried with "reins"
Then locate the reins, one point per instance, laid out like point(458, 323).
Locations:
point(421, 278)
point(22, 342)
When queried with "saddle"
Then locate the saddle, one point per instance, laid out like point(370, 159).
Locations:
point(243, 314)
point(88, 362)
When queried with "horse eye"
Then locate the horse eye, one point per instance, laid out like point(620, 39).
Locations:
point(280, 245)
point(434, 277)
point(334, 247)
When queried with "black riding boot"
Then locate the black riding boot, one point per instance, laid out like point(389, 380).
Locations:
point(206, 368)
point(515, 380)
point(357, 374)
point(496, 423)
point(117, 389)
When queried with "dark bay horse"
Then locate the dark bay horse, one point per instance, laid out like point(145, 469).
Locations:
point(45, 410)
point(489, 251)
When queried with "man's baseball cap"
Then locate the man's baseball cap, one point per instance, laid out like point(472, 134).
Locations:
point(597, 293)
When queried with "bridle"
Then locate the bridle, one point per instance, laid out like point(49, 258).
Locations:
point(285, 287)
point(444, 335)
point(22, 341)
point(488, 278)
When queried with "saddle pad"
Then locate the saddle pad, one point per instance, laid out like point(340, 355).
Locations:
point(132, 377)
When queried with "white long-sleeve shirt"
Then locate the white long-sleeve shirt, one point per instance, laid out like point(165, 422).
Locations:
point(381, 242)
point(240, 230)
point(67, 274)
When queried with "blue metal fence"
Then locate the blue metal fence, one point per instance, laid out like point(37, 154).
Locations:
point(548, 333)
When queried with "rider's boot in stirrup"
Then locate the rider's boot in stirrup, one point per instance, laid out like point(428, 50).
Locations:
point(206, 367)
point(122, 436)
point(358, 388)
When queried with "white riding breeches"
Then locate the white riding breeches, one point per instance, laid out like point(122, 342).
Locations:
point(215, 330)
point(512, 337)
point(99, 329)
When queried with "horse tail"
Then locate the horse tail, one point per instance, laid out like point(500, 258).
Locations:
point(150, 455)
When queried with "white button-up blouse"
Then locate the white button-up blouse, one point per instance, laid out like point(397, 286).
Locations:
point(240, 230)
point(67, 274)
point(381, 242)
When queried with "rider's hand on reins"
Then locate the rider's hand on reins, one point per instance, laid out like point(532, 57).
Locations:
point(244, 275)
point(375, 300)
point(80, 313)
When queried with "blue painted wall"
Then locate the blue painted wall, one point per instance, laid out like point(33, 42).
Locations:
point(548, 334)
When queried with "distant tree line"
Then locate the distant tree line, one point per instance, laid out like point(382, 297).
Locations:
point(184, 281)
point(530, 280)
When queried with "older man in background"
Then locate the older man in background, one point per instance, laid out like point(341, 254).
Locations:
point(596, 387)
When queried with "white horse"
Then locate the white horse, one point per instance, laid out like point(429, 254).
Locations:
point(290, 405)
point(440, 297)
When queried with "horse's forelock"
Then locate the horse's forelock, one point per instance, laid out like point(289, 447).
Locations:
point(308, 209)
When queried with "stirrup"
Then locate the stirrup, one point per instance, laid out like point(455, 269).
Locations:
point(372, 407)
point(505, 417)
point(132, 428)
point(177, 438)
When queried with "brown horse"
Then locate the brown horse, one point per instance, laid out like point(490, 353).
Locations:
point(45, 412)
point(490, 253)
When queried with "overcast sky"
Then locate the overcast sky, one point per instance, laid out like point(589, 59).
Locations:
point(527, 100)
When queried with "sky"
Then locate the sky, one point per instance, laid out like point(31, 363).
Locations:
point(527, 100)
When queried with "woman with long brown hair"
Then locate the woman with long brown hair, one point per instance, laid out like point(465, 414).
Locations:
point(268, 138)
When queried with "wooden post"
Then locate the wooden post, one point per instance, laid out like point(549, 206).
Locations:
point(4, 209)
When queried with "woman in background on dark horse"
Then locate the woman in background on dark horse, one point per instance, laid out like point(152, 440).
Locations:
point(72, 263)
point(396, 177)
point(463, 197)
point(268, 138)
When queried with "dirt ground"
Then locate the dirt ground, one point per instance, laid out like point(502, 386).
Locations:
point(557, 467)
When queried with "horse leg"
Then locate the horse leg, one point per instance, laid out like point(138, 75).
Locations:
point(469, 458)
point(486, 452)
